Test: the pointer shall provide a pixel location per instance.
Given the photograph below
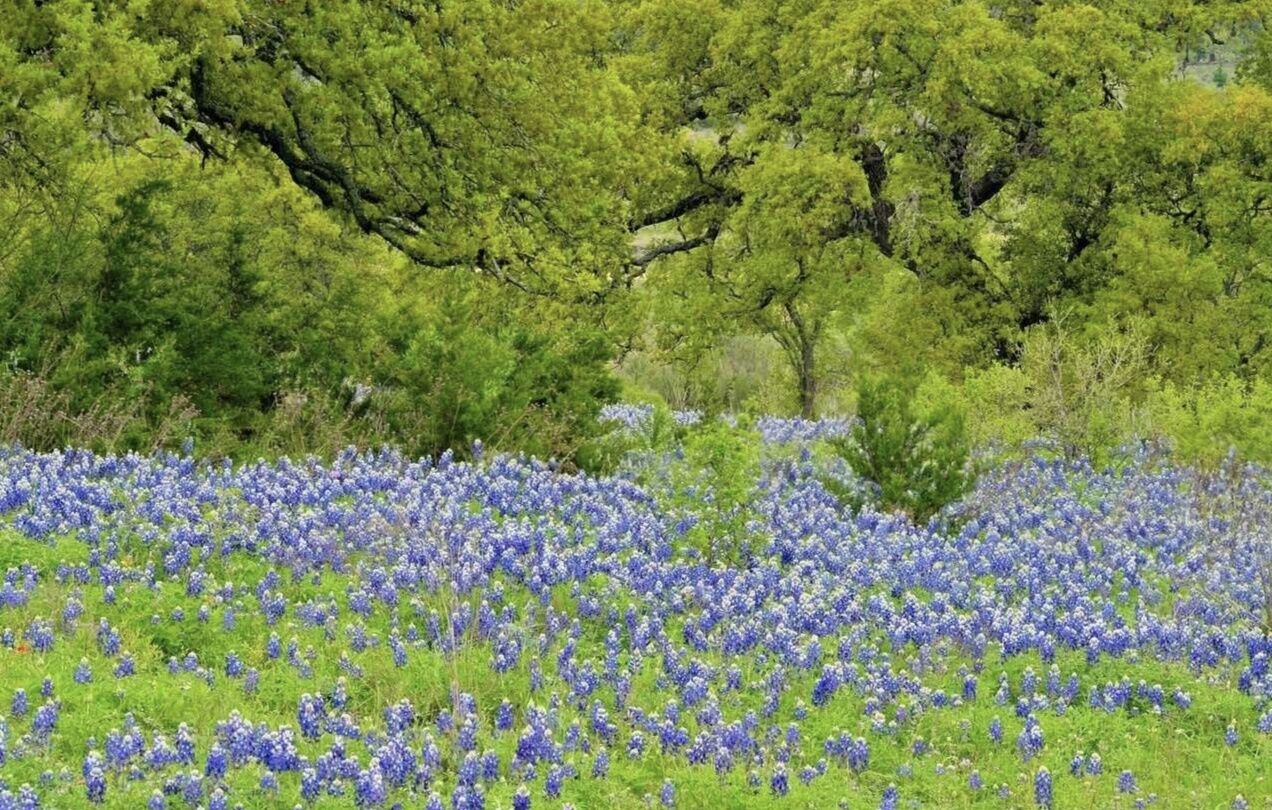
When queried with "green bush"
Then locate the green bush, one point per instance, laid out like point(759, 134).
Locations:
point(916, 452)
point(1084, 394)
point(720, 465)
point(644, 451)
point(999, 398)
point(1205, 423)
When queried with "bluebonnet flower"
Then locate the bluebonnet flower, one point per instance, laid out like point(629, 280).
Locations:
point(1028, 682)
point(126, 667)
point(1264, 724)
point(466, 738)
point(1126, 782)
point(269, 782)
point(1030, 741)
point(1077, 764)
point(636, 745)
point(108, 639)
point(40, 634)
point(45, 720)
point(398, 649)
point(891, 798)
point(444, 722)
point(504, 717)
point(552, 785)
point(1042, 788)
point(469, 770)
point(397, 532)
point(723, 760)
point(217, 762)
point(521, 799)
point(218, 800)
point(1095, 765)
point(310, 714)
point(778, 783)
point(310, 784)
point(490, 766)
point(369, 788)
point(95, 785)
point(969, 687)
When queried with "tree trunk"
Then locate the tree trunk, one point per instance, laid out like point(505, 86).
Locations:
point(807, 380)
point(803, 358)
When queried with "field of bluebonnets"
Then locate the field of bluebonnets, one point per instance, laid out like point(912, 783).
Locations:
point(384, 632)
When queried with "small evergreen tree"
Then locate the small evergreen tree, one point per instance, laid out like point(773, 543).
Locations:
point(917, 457)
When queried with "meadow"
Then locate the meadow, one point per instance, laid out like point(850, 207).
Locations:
point(377, 631)
point(580, 265)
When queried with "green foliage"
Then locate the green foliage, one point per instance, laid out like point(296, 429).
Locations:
point(213, 303)
point(168, 179)
point(742, 373)
point(471, 362)
point(997, 401)
point(981, 168)
point(1085, 394)
point(720, 467)
point(1207, 422)
point(482, 135)
point(122, 325)
point(37, 413)
point(222, 217)
point(646, 449)
point(715, 462)
point(916, 452)
point(1095, 397)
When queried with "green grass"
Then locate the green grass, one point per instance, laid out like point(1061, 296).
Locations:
point(1178, 755)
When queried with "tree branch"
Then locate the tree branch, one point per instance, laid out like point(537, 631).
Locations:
point(643, 258)
point(685, 205)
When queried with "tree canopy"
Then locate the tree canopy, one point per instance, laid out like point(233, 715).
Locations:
point(248, 197)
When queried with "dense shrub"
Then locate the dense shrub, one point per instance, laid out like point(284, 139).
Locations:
point(213, 305)
point(472, 363)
